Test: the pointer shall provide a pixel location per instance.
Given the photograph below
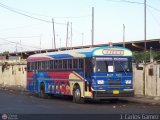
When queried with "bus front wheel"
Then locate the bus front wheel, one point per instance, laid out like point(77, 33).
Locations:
point(77, 95)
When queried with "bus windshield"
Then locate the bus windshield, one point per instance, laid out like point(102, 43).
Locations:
point(113, 64)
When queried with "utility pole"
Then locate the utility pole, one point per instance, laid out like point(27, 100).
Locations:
point(16, 51)
point(123, 35)
point(16, 48)
point(53, 36)
point(92, 26)
point(67, 35)
point(145, 30)
point(40, 42)
point(82, 39)
point(144, 72)
point(71, 35)
point(52, 42)
point(21, 49)
point(60, 43)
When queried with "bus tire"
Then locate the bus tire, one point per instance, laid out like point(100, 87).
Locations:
point(77, 95)
point(42, 93)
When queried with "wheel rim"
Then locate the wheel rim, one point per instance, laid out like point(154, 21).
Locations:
point(77, 94)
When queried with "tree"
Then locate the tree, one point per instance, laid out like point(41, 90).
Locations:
point(138, 56)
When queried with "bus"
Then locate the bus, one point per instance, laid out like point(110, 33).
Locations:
point(87, 73)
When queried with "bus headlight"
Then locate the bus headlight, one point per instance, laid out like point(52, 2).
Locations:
point(100, 82)
point(128, 81)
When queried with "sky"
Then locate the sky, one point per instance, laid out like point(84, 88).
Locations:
point(27, 24)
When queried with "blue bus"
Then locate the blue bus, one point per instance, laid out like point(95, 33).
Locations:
point(88, 73)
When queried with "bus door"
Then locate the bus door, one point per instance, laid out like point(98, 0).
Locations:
point(88, 68)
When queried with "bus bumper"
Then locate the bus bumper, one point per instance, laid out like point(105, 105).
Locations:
point(108, 94)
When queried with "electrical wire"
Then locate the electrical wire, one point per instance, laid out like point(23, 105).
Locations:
point(153, 8)
point(125, 1)
point(17, 43)
point(156, 20)
point(42, 15)
point(23, 37)
point(20, 13)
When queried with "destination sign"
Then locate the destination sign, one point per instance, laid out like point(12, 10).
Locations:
point(113, 52)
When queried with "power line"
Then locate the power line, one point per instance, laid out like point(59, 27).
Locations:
point(153, 8)
point(156, 20)
point(132, 2)
point(18, 27)
point(23, 37)
point(20, 13)
point(42, 15)
point(73, 17)
point(26, 15)
point(17, 46)
point(125, 1)
point(16, 43)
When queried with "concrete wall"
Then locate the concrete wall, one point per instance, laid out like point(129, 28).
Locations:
point(138, 80)
point(158, 80)
point(13, 75)
point(147, 80)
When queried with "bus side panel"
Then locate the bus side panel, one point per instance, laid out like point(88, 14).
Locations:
point(30, 82)
point(77, 78)
point(63, 82)
point(56, 82)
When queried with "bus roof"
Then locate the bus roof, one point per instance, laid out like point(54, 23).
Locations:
point(82, 53)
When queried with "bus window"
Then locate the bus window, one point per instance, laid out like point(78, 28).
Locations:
point(75, 63)
point(36, 66)
point(55, 64)
point(81, 63)
point(43, 65)
point(40, 63)
point(104, 64)
point(47, 65)
point(70, 64)
point(122, 65)
point(60, 64)
point(28, 66)
point(32, 66)
point(88, 67)
point(65, 64)
point(51, 64)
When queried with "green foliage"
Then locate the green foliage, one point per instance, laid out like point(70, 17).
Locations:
point(6, 52)
point(139, 56)
point(156, 55)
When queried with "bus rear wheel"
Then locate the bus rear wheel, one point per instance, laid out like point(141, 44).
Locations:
point(42, 93)
point(77, 95)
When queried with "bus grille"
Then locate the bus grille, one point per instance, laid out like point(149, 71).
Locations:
point(114, 84)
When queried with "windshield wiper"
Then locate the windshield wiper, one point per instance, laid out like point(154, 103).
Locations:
point(122, 67)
